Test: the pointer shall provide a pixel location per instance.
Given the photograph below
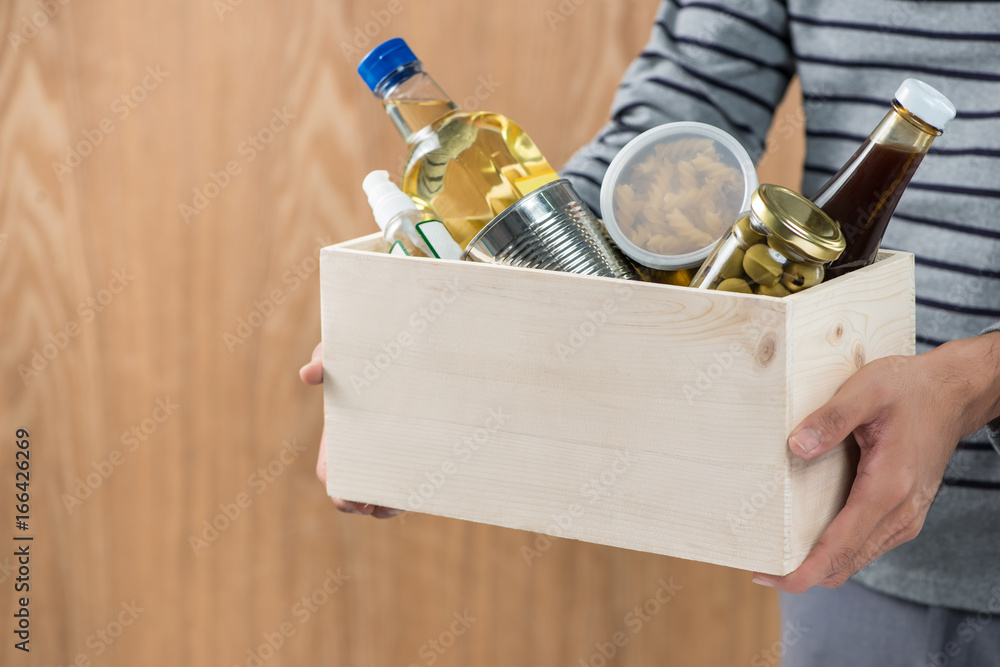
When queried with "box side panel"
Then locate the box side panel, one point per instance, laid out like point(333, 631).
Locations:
point(634, 415)
point(370, 243)
point(868, 316)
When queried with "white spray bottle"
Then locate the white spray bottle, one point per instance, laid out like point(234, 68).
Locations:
point(406, 229)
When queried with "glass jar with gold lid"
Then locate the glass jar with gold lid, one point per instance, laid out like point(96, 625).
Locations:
point(781, 246)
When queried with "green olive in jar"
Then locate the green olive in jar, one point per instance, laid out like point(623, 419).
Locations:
point(731, 266)
point(745, 234)
point(763, 266)
point(800, 275)
point(775, 290)
point(734, 285)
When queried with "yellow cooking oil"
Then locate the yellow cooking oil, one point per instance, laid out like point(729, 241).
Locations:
point(467, 167)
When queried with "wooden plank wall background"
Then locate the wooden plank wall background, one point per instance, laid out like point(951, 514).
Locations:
point(152, 411)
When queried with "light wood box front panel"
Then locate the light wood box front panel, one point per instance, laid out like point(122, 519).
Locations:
point(641, 416)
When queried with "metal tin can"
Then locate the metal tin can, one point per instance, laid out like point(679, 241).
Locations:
point(551, 228)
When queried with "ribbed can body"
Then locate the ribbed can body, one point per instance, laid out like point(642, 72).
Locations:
point(553, 229)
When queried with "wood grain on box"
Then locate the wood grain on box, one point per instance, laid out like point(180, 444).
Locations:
point(641, 416)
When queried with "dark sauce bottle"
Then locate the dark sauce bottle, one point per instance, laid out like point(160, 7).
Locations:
point(863, 194)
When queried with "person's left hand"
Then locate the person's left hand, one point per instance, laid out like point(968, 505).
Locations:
point(312, 373)
point(907, 415)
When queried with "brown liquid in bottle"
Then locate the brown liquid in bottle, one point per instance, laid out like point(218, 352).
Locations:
point(862, 197)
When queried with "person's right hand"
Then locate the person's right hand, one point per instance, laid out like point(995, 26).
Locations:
point(312, 373)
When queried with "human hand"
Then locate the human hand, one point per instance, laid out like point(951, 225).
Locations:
point(907, 415)
point(312, 373)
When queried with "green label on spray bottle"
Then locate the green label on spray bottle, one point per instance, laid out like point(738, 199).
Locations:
point(439, 240)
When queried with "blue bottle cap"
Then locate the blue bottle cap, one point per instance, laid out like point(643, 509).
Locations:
point(383, 60)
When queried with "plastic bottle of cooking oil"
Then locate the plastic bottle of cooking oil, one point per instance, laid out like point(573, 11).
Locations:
point(466, 166)
point(406, 229)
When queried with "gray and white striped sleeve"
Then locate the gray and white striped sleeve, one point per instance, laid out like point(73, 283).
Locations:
point(723, 63)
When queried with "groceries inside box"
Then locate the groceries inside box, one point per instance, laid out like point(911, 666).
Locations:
point(680, 204)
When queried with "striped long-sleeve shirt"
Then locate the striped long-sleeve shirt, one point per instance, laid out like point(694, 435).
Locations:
point(728, 63)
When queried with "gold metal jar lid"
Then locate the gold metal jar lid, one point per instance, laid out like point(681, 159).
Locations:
point(797, 223)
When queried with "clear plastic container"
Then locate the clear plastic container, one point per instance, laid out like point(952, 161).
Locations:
point(673, 191)
point(781, 246)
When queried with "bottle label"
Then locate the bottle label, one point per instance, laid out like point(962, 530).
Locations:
point(398, 249)
point(439, 240)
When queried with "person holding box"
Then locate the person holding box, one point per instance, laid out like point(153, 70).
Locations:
point(909, 572)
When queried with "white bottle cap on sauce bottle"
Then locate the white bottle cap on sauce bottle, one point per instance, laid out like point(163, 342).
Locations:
point(926, 103)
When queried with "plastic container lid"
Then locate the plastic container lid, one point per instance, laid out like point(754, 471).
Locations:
point(385, 59)
point(672, 192)
point(926, 103)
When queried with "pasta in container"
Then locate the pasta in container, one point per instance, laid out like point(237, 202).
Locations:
point(672, 192)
